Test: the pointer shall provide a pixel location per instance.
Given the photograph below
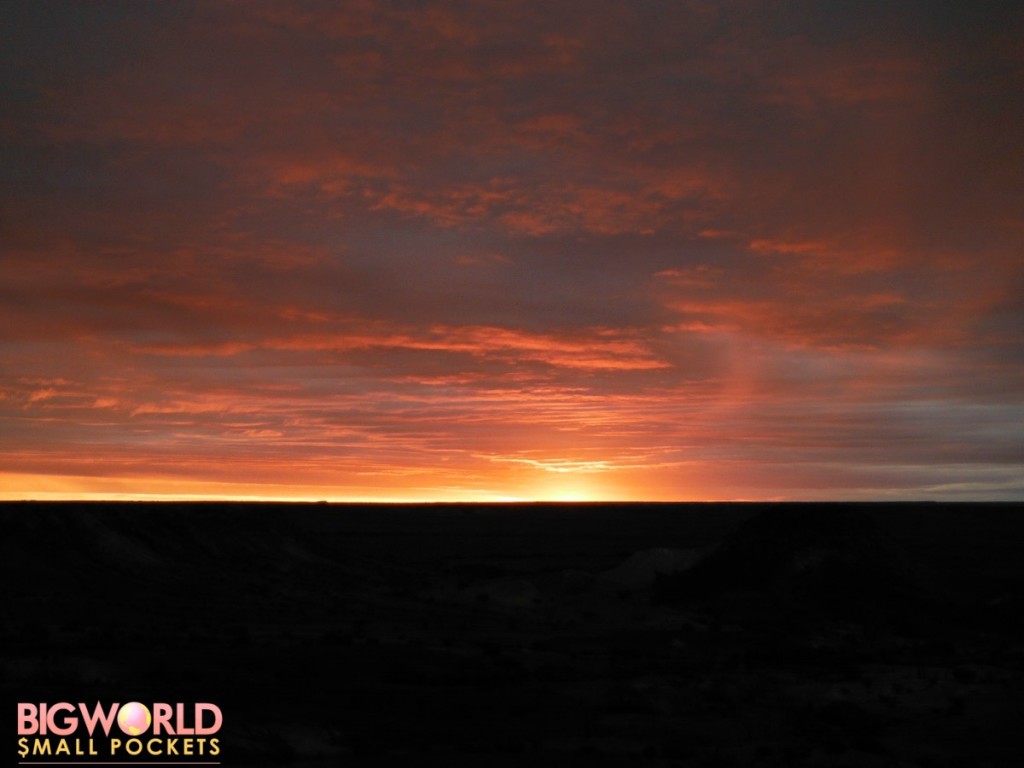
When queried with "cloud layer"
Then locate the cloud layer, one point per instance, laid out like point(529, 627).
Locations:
point(473, 250)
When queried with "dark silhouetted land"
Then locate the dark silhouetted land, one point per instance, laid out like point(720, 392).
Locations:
point(540, 635)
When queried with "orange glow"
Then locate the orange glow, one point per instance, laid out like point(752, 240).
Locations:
point(379, 251)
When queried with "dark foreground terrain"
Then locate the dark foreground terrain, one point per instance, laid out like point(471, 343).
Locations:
point(541, 635)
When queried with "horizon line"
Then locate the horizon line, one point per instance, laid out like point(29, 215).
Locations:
point(500, 502)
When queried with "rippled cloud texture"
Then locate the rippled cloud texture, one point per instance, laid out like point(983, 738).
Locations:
point(497, 250)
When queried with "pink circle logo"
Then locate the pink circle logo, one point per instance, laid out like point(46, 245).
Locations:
point(134, 718)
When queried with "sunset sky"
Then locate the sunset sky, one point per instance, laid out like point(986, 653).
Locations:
point(469, 251)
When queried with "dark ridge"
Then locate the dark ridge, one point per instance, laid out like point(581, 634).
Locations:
point(832, 560)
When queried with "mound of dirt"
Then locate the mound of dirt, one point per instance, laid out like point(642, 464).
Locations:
point(508, 593)
point(642, 568)
point(824, 558)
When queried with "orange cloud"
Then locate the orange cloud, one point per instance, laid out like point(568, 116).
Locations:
point(480, 251)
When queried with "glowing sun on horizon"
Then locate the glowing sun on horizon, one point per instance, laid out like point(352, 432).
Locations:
point(572, 491)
